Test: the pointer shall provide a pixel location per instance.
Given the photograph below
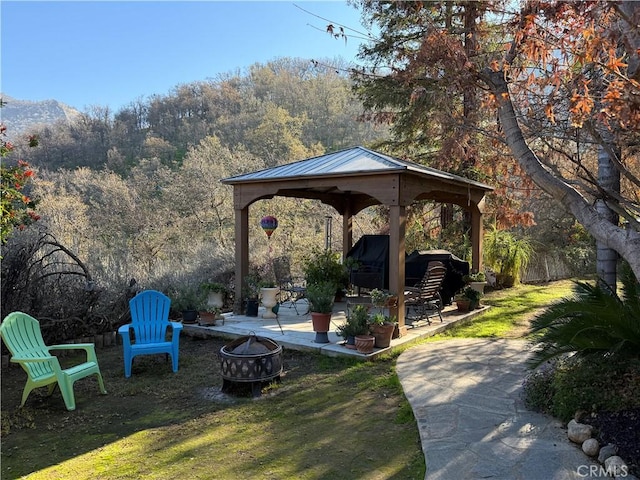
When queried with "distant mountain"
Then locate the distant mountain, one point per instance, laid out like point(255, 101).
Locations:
point(22, 116)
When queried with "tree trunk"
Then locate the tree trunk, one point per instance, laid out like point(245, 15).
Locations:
point(609, 180)
point(624, 241)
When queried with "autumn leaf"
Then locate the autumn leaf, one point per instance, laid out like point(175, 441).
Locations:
point(548, 111)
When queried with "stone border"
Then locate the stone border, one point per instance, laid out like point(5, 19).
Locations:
point(611, 464)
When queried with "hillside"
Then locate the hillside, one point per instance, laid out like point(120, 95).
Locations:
point(21, 116)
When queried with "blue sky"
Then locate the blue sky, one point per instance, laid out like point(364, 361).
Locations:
point(111, 53)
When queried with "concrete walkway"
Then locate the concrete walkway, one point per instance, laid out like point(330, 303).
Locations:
point(466, 397)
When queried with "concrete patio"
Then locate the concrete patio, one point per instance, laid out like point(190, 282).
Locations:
point(295, 331)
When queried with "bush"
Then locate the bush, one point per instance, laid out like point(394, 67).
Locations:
point(357, 323)
point(539, 390)
point(324, 266)
point(596, 321)
point(591, 385)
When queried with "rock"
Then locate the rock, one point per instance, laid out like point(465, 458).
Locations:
point(607, 451)
point(591, 447)
point(578, 432)
point(615, 466)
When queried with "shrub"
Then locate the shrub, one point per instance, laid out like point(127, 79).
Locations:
point(357, 323)
point(539, 390)
point(321, 296)
point(579, 384)
point(324, 266)
point(596, 321)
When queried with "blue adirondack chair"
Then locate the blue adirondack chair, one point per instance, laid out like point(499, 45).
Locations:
point(150, 327)
point(22, 336)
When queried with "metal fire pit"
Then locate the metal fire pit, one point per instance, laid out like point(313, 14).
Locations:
point(250, 360)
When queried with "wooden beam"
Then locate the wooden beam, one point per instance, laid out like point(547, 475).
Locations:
point(397, 226)
point(242, 255)
point(476, 239)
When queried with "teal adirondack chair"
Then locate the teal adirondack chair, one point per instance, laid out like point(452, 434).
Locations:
point(150, 324)
point(22, 336)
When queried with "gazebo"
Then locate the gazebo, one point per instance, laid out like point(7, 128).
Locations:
point(351, 180)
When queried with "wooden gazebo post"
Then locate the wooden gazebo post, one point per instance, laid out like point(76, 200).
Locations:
point(397, 225)
point(242, 254)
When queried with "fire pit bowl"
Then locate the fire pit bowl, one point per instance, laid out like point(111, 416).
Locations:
point(250, 360)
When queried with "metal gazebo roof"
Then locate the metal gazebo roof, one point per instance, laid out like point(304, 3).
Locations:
point(351, 161)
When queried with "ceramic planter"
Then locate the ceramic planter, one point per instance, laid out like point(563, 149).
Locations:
point(478, 286)
point(364, 343)
point(269, 300)
point(382, 334)
point(215, 299)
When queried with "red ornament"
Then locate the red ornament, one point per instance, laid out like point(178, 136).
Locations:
point(269, 224)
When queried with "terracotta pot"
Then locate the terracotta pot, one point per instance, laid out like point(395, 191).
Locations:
point(207, 319)
point(321, 323)
point(463, 305)
point(382, 334)
point(364, 343)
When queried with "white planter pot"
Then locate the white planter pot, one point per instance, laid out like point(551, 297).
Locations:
point(215, 299)
point(478, 286)
point(269, 300)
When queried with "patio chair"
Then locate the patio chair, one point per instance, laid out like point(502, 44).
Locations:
point(291, 290)
point(425, 297)
point(22, 336)
point(149, 325)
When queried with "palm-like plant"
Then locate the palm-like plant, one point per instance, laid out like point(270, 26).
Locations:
point(507, 254)
point(596, 321)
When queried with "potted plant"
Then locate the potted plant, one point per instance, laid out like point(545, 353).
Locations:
point(477, 281)
point(381, 327)
point(357, 324)
point(251, 290)
point(321, 297)
point(325, 266)
point(215, 293)
point(379, 297)
point(468, 299)
point(269, 295)
point(507, 255)
point(189, 301)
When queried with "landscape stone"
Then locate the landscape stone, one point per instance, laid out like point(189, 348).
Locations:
point(591, 447)
point(607, 451)
point(616, 466)
point(578, 432)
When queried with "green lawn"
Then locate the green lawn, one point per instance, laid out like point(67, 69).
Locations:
point(511, 310)
point(328, 418)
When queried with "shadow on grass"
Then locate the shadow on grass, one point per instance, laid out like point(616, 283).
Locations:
point(328, 418)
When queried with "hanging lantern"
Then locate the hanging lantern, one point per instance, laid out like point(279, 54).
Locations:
point(269, 224)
